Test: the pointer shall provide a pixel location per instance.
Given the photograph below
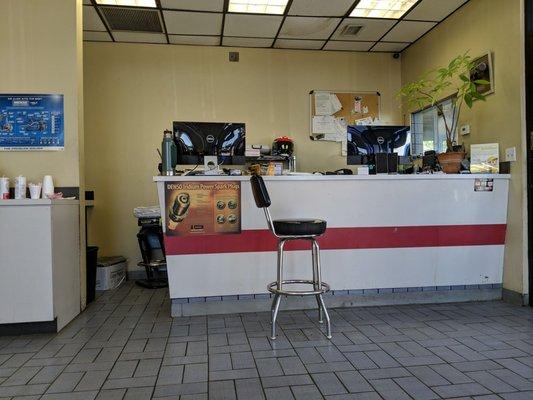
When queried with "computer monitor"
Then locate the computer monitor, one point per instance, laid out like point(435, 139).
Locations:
point(364, 141)
point(194, 140)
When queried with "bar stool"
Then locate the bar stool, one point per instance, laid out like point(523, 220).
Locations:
point(286, 230)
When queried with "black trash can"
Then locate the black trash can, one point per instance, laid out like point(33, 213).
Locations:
point(92, 259)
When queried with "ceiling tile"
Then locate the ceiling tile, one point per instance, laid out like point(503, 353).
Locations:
point(372, 28)
point(434, 10)
point(246, 42)
point(299, 44)
point(251, 25)
point(408, 31)
point(193, 23)
point(96, 36)
point(194, 40)
point(308, 27)
point(141, 37)
point(392, 47)
point(320, 8)
point(91, 20)
point(350, 45)
point(194, 5)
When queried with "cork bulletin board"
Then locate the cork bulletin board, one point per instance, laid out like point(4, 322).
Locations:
point(332, 111)
point(351, 112)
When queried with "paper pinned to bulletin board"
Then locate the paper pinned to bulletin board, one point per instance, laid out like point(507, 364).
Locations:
point(332, 111)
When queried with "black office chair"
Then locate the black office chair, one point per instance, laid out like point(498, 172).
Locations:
point(153, 257)
point(292, 229)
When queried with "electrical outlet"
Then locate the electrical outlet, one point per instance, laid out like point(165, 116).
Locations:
point(510, 154)
point(465, 129)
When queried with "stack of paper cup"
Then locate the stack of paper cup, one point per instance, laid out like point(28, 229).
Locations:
point(48, 186)
point(20, 187)
point(35, 190)
point(4, 188)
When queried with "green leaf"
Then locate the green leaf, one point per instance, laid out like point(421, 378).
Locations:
point(468, 100)
point(481, 82)
point(479, 96)
point(464, 78)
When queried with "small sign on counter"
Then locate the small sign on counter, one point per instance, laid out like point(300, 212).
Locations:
point(202, 208)
point(483, 185)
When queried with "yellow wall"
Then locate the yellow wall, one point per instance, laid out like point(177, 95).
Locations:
point(39, 43)
point(42, 52)
point(481, 26)
point(133, 92)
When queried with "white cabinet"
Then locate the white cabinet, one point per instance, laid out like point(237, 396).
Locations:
point(39, 261)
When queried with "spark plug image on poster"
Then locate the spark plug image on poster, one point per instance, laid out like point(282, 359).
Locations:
point(202, 208)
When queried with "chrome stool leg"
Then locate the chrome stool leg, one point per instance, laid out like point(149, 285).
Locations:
point(275, 309)
point(326, 314)
point(320, 300)
point(314, 257)
point(277, 297)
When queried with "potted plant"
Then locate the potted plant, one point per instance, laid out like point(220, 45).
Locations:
point(430, 88)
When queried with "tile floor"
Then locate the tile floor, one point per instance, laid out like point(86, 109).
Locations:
point(125, 346)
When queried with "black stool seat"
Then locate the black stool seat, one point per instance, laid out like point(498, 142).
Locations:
point(299, 227)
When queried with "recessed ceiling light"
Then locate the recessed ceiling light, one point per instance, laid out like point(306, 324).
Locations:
point(129, 3)
point(382, 8)
point(258, 6)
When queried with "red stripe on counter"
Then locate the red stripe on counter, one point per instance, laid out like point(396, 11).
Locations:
point(344, 238)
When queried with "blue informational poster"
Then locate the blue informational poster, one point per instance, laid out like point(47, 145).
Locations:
point(32, 122)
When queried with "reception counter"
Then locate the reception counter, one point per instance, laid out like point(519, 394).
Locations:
point(386, 234)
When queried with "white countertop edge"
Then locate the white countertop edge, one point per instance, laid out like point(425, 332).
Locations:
point(330, 177)
point(38, 202)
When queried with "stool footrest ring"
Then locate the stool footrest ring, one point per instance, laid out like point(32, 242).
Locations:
point(273, 288)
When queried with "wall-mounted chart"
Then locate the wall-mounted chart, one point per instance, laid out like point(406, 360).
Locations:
point(32, 122)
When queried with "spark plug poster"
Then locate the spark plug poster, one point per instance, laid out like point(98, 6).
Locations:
point(202, 208)
point(32, 122)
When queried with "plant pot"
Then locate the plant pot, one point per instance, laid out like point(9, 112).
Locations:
point(451, 161)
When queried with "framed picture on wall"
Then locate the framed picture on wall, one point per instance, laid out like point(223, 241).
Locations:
point(483, 69)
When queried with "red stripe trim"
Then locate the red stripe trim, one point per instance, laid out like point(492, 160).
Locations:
point(258, 240)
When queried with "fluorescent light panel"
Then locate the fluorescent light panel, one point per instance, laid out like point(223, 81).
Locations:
point(258, 6)
point(129, 3)
point(382, 8)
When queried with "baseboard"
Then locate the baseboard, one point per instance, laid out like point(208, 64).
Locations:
point(27, 328)
point(512, 297)
point(237, 306)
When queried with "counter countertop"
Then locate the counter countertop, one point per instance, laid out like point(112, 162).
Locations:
point(330, 177)
point(38, 202)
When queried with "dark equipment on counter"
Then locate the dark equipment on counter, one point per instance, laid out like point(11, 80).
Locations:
point(286, 230)
point(283, 146)
point(429, 160)
point(342, 171)
point(150, 239)
point(194, 140)
point(382, 163)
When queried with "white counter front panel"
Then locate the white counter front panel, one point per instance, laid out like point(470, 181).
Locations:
point(383, 232)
